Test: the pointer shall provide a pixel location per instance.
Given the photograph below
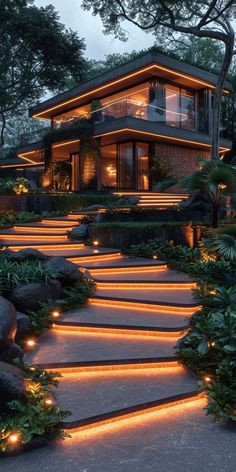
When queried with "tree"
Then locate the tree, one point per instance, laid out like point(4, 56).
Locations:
point(200, 18)
point(37, 52)
point(215, 179)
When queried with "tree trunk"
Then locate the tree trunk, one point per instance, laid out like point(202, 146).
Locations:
point(3, 125)
point(215, 132)
point(215, 216)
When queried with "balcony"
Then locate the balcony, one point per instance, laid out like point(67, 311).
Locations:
point(184, 119)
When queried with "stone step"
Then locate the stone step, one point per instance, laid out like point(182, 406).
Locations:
point(148, 305)
point(158, 274)
point(43, 229)
point(140, 293)
point(55, 248)
point(118, 315)
point(126, 264)
point(80, 347)
point(12, 237)
point(88, 394)
point(77, 327)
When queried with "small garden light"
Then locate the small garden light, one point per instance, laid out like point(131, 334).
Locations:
point(13, 438)
point(96, 243)
point(48, 401)
point(30, 343)
point(56, 314)
point(154, 257)
point(207, 379)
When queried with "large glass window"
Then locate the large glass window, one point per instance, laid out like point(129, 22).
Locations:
point(173, 115)
point(142, 166)
point(108, 166)
point(180, 107)
point(132, 102)
point(187, 109)
point(126, 176)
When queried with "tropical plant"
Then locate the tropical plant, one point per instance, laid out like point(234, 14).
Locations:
point(215, 179)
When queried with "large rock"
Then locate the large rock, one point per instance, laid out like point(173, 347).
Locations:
point(12, 384)
point(94, 207)
point(28, 253)
point(79, 232)
point(133, 199)
point(68, 270)
point(11, 352)
point(29, 297)
point(7, 323)
point(23, 326)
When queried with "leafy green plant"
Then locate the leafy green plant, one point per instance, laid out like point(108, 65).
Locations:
point(15, 273)
point(215, 179)
point(36, 414)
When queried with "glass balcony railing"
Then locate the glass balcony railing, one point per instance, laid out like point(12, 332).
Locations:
point(185, 119)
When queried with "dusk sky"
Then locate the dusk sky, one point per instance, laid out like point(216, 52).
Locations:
point(90, 28)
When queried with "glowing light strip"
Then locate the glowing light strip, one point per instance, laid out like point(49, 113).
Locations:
point(147, 414)
point(145, 285)
point(150, 195)
point(60, 223)
point(129, 367)
point(65, 143)
point(38, 164)
point(34, 237)
point(100, 331)
point(139, 305)
point(122, 79)
point(168, 138)
point(46, 247)
point(40, 230)
point(100, 257)
point(121, 270)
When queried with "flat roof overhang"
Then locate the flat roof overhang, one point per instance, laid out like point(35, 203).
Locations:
point(130, 74)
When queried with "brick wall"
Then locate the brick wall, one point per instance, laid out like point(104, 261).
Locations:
point(180, 159)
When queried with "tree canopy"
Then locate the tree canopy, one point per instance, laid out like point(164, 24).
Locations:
point(37, 53)
point(210, 19)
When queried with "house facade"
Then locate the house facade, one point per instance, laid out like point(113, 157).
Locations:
point(107, 133)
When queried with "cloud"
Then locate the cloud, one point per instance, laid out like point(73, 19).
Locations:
point(90, 28)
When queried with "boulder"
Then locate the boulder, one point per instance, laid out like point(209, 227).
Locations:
point(68, 270)
point(28, 253)
point(7, 253)
point(11, 352)
point(133, 199)
point(12, 384)
point(23, 326)
point(30, 296)
point(94, 207)
point(79, 232)
point(7, 323)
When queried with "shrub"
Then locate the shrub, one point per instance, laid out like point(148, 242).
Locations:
point(32, 417)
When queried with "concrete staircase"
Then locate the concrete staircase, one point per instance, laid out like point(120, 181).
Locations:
point(155, 200)
point(134, 407)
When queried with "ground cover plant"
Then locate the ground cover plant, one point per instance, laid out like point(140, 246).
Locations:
point(209, 345)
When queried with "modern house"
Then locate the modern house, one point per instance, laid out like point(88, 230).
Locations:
point(152, 106)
